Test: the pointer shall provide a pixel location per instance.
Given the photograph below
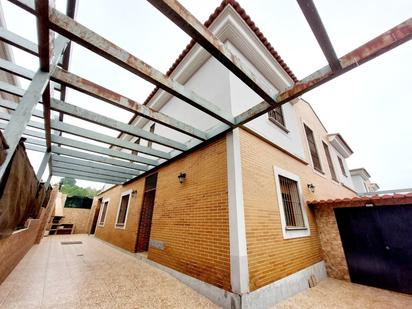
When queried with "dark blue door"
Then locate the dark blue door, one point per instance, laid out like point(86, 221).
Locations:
point(377, 242)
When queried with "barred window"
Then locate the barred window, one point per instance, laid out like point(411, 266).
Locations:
point(291, 203)
point(313, 150)
point(276, 116)
point(122, 212)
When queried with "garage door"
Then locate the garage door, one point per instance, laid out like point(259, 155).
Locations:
point(377, 242)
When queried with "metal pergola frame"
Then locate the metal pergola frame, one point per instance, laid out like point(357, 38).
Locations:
point(114, 166)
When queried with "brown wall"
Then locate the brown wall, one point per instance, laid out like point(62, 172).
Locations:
point(77, 216)
point(271, 257)
point(191, 219)
point(15, 247)
point(124, 238)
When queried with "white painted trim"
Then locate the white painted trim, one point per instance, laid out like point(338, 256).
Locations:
point(128, 192)
point(239, 270)
point(288, 234)
point(99, 224)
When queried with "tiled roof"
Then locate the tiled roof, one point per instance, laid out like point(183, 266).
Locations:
point(377, 200)
point(207, 23)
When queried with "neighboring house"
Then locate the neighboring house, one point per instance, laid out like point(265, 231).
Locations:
point(361, 181)
point(233, 212)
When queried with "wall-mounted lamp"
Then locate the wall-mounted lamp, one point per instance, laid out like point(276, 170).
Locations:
point(369, 205)
point(181, 177)
point(134, 193)
point(311, 187)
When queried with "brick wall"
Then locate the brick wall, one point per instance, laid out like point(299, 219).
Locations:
point(123, 238)
point(77, 216)
point(15, 247)
point(191, 219)
point(270, 257)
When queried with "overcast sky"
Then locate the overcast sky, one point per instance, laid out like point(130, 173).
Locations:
point(370, 106)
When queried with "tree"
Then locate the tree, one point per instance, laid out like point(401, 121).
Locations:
point(68, 181)
point(68, 186)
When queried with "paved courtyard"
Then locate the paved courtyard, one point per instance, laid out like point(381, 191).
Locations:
point(91, 275)
point(337, 294)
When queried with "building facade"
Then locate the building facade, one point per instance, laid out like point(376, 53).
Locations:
point(232, 213)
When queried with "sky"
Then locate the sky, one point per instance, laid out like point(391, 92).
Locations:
point(369, 106)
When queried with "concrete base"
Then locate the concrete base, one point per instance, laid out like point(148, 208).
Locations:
point(284, 288)
point(261, 298)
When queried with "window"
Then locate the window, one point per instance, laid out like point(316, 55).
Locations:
point(290, 202)
point(123, 209)
point(342, 167)
point(152, 129)
point(276, 116)
point(135, 152)
point(313, 150)
point(330, 163)
point(103, 213)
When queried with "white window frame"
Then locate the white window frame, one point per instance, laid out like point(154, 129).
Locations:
point(99, 224)
point(289, 233)
point(322, 167)
point(129, 192)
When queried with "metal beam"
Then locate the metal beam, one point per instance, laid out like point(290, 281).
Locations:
point(89, 178)
point(21, 116)
point(102, 150)
point(43, 165)
point(78, 131)
point(71, 11)
point(98, 172)
point(99, 137)
point(312, 16)
point(91, 40)
point(48, 180)
point(109, 168)
point(179, 15)
point(87, 174)
point(85, 114)
point(18, 41)
point(15, 69)
point(35, 148)
point(96, 118)
point(99, 92)
point(98, 158)
point(79, 144)
point(375, 47)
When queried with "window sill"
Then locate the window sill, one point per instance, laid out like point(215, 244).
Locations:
point(292, 228)
point(120, 227)
point(277, 123)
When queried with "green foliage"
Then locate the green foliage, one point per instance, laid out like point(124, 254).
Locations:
point(68, 186)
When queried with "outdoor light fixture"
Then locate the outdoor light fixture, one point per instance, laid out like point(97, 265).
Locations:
point(181, 177)
point(311, 187)
point(134, 193)
point(369, 205)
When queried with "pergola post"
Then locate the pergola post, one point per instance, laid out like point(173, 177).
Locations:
point(43, 165)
